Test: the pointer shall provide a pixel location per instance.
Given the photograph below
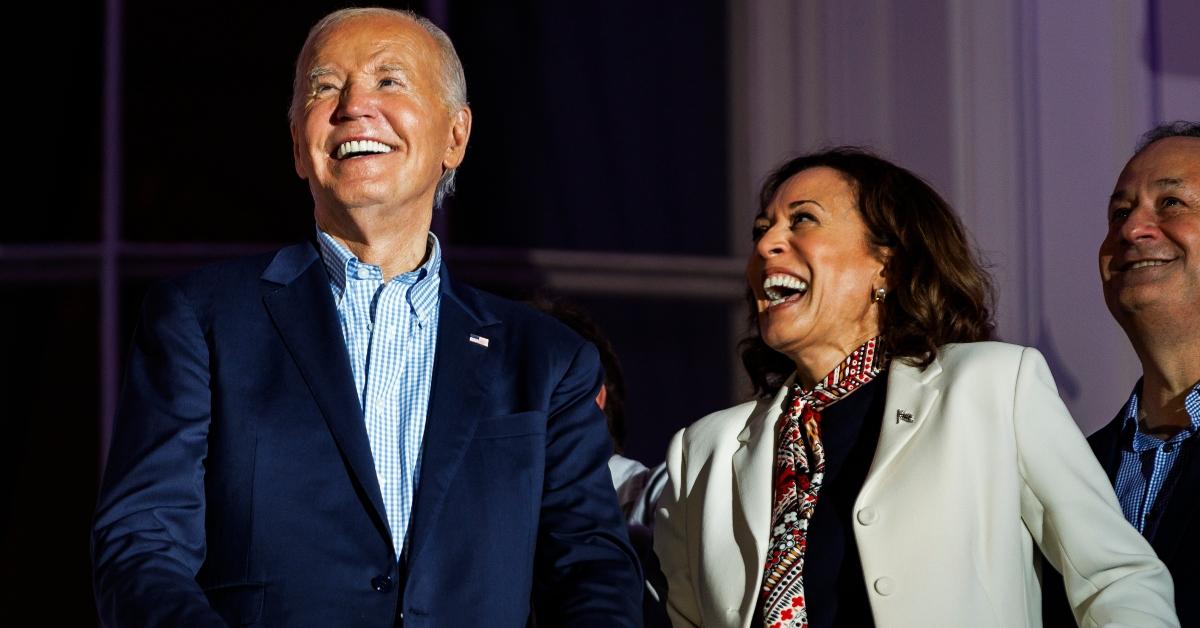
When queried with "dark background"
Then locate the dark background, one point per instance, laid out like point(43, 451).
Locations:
point(594, 131)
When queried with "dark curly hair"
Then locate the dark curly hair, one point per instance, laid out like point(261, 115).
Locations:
point(938, 291)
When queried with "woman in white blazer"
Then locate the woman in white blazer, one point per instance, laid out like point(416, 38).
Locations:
point(898, 468)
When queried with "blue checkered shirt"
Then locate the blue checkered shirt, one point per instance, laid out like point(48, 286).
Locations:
point(391, 335)
point(1149, 465)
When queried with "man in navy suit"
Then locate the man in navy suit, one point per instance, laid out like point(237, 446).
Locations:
point(1150, 271)
point(338, 434)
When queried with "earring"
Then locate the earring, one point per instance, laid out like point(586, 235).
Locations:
point(878, 295)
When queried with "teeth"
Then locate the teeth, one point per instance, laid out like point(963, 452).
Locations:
point(361, 146)
point(782, 281)
point(1145, 263)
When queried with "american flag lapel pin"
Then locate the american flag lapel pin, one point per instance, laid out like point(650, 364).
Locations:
point(479, 340)
point(905, 416)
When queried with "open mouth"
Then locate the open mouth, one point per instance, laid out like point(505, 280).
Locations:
point(783, 288)
point(360, 148)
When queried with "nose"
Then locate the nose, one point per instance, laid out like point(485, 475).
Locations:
point(1141, 224)
point(770, 243)
point(355, 101)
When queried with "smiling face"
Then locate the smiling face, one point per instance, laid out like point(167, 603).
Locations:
point(812, 234)
point(372, 128)
point(1150, 259)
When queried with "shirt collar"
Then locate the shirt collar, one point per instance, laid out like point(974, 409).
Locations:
point(1141, 441)
point(343, 267)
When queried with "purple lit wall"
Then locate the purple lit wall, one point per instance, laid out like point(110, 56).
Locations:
point(1021, 112)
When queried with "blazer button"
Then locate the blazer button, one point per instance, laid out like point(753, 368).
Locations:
point(383, 584)
point(867, 516)
point(885, 586)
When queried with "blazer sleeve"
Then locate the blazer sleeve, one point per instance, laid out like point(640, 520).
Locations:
point(148, 535)
point(1111, 574)
point(670, 539)
point(587, 573)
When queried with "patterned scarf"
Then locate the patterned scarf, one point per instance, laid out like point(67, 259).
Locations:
point(799, 471)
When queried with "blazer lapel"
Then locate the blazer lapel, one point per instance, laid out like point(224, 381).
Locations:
point(300, 303)
point(1106, 445)
point(1180, 514)
point(752, 464)
point(911, 393)
point(462, 372)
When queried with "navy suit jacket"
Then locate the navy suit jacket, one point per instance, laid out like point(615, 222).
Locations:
point(1176, 540)
point(240, 486)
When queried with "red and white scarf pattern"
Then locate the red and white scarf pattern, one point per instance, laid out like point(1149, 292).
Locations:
point(799, 471)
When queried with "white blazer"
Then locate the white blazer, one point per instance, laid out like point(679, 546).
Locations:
point(990, 464)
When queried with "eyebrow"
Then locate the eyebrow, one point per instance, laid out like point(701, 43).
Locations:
point(795, 204)
point(318, 72)
point(390, 67)
point(1162, 184)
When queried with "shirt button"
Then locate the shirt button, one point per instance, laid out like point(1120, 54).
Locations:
point(382, 584)
point(885, 586)
point(867, 516)
point(362, 273)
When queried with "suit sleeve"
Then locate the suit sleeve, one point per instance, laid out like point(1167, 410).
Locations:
point(670, 540)
point(1111, 574)
point(148, 535)
point(587, 572)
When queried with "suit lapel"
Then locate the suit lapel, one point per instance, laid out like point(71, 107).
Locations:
point(1181, 512)
point(460, 395)
point(1106, 445)
point(752, 466)
point(301, 305)
point(911, 393)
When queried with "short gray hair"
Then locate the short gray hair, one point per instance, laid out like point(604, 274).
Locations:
point(1178, 128)
point(452, 79)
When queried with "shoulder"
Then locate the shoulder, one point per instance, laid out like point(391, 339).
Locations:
point(719, 429)
point(975, 354)
point(989, 361)
point(233, 281)
point(245, 272)
point(521, 323)
point(1110, 433)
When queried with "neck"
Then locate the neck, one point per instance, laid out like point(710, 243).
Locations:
point(814, 362)
point(394, 241)
point(1170, 369)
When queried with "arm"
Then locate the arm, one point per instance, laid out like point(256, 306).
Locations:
point(1111, 574)
point(587, 573)
point(670, 540)
point(148, 536)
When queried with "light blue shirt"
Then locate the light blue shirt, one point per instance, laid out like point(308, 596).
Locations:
point(1145, 480)
point(390, 329)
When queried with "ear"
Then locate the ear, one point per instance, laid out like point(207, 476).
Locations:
point(297, 152)
point(884, 255)
point(460, 132)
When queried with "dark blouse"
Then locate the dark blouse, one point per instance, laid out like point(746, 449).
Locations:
point(834, 590)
